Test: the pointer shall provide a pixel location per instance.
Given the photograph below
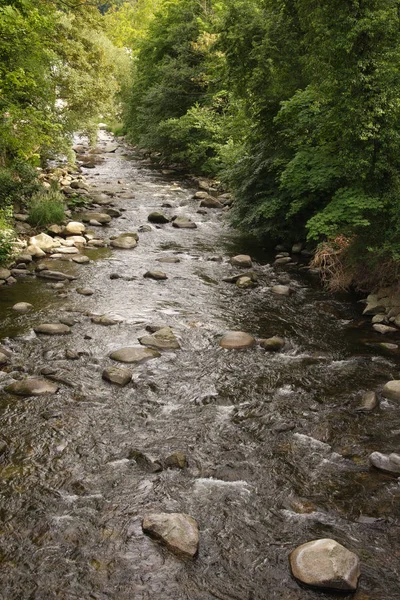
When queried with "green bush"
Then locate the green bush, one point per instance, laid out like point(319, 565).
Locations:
point(46, 208)
point(7, 236)
point(17, 182)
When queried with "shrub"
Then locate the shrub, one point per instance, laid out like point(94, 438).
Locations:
point(17, 182)
point(46, 208)
point(7, 236)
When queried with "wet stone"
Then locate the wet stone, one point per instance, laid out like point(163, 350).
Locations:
point(380, 328)
point(4, 273)
point(75, 228)
point(391, 390)
point(157, 217)
point(325, 564)
point(245, 282)
point(32, 387)
point(101, 218)
point(390, 463)
point(158, 275)
point(284, 260)
point(368, 402)
point(272, 344)
point(210, 202)
point(178, 531)
point(162, 339)
point(55, 275)
point(136, 355)
point(281, 290)
point(177, 460)
point(82, 259)
point(117, 375)
point(22, 307)
point(145, 462)
point(85, 291)
point(71, 354)
point(169, 259)
point(125, 242)
point(52, 329)
point(4, 359)
point(184, 223)
point(237, 340)
point(241, 260)
point(104, 320)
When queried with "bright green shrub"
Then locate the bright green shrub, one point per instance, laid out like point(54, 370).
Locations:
point(46, 208)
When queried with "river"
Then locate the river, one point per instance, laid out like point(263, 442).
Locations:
point(277, 453)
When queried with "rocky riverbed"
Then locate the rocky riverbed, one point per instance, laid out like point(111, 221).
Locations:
point(181, 413)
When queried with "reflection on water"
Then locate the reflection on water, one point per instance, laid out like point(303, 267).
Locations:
point(277, 453)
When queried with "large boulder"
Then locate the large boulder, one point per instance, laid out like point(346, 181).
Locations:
point(177, 531)
point(75, 228)
point(390, 463)
point(32, 387)
point(43, 241)
point(136, 355)
point(163, 339)
point(325, 564)
point(391, 390)
point(237, 340)
point(241, 260)
point(52, 329)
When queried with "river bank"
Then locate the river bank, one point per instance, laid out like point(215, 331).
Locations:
point(276, 448)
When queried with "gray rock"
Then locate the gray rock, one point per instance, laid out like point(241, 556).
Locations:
point(162, 339)
point(145, 228)
point(85, 291)
point(272, 344)
point(380, 328)
point(281, 290)
point(391, 390)
point(177, 531)
point(158, 275)
point(210, 202)
point(368, 402)
point(55, 275)
point(245, 282)
point(52, 329)
point(125, 241)
point(284, 260)
point(82, 259)
point(145, 462)
point(136, 355)
point(201, 195)
point(75, 228)
point(374, 306)
point(235, 278)
point(241, 260)
point(169, 259)
point(379, 319)
point(176, 460)
point(117, 375)
point(390, 463)
point(113, 212)
point(184, 223)
point(32, 387)
point(101, 218)
point(157, 217)
point(104, 320)
point(22, 307)
point(237, 340)
point(4, 273)
point(4, 359)
point(325, 564)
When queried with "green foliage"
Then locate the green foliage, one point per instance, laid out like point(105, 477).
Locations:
point(46, 208)
point(7, 236)
point(17, 182)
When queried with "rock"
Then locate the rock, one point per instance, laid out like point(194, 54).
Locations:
point(387, 346)
point(85, 291)
point(368, 402)
point(52, 329)
point(113, 212)
point(380, 328)
point(241, 260)
point(237, 340)
point(281, 290)
point(82, 259)
point(157, 217)
point(103, 320)
point(284, 260)
point(210, 202)
point(95, 223)
point(379, 319)
point(245, 282)
point(136, 355)
point(177, 460)
point(23, 258)
point(101, 218)
point(158, 275)
point(235, 278)
point(163, 339)
point(125, 241)
point(35, 251)
point(201, 195)
point(144, 462)
point(145, 228)
point(179, 532)
point(55, 275)
point(4, 359)
point(117, 375)
point(272, 344)
point(325, 564)
point(11, 280)
point(169, 259)
point(32, 387)
point(71, 354)
point(389, 463)
point(68, 250)
point(111, 148)
point(184, 223)
point(374, 306)
point(391, 390)
point(76, 240)
point(43, 241)
point(22, 307)
point(75, 228)
point(297, 248)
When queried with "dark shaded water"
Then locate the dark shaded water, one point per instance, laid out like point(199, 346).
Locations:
point(277, 453)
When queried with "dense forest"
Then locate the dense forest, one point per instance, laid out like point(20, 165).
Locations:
point(293, 105)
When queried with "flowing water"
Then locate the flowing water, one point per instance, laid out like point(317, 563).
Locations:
point(277, 453)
